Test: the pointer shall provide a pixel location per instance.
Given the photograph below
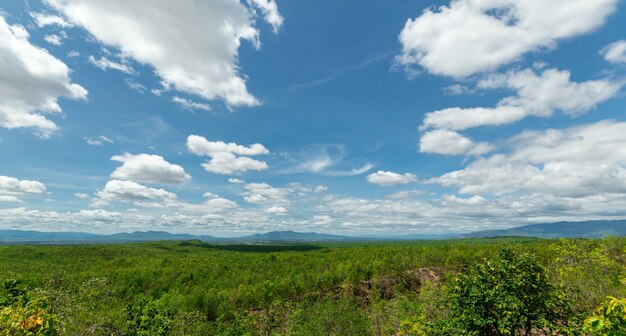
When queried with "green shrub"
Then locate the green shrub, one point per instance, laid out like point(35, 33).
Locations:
point(509, 295)
point(610, 320)
point(23, 312)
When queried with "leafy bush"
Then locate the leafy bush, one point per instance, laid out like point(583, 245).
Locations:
point(147, 317)
point(23, 312)
point(610, 319)
point(508, 295)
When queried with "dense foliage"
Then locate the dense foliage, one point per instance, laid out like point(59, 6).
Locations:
point(24, 313)
point(472, 287)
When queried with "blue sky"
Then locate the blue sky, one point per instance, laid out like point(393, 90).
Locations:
point(225, 117)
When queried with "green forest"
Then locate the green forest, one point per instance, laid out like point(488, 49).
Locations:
point(499, 286)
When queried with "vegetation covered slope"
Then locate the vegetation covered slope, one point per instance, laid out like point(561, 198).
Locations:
point(473, 287)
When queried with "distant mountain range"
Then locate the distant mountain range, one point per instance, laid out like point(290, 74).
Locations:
point(586, 229)
point(34, 237)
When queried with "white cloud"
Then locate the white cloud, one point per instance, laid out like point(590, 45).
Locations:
point(12, 186)
point(191, 105)
point(405, 194)
point(236, 181)
point(136, 86)
point(57, 40)
point(451, 143)
point(263, 193)
point(388, 179)
point(457, 89)
point(577, 162)
point(196, 54)
point(276, 210)
point(615, 52)
point(315, 159)
point(537, 95)
point(320, 189)
point(133, 193)
point(148, 168)
point(97, 141)
point(73, 53)
point(452, 213)
point(81, 195)
point(320, 158)
point(104, 64)
point(316, 164)
point(224, 156)
point(43, 19)
point(31, 81)
point(11, 199)
point(471, 36)
point(353, 172)
point(215, 202)
point(270, 13)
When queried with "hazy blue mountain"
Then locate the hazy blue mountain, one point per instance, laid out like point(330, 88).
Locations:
point(586, 229)
point(155, 235)
point(37, 236)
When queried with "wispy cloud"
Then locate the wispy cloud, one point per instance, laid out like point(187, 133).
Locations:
point(340, 72)
point(353, 172)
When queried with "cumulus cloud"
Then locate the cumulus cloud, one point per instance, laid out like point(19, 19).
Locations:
point(469, 36)
point(276, 210)
point(451, 143)
point(537, 95)
point(11, 188)
point(31, 81)
point(263, 193)
point(227, 158)
point(578, 162)
point(236, 181)
point(133, 193)
point(615, 52)
point(148, 168)
point(388, 179)
point(215, 202)
point(196, 54)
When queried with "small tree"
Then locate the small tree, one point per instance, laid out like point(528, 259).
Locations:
point(509, 295)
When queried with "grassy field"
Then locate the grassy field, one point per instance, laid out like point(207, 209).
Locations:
point(395, 288)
